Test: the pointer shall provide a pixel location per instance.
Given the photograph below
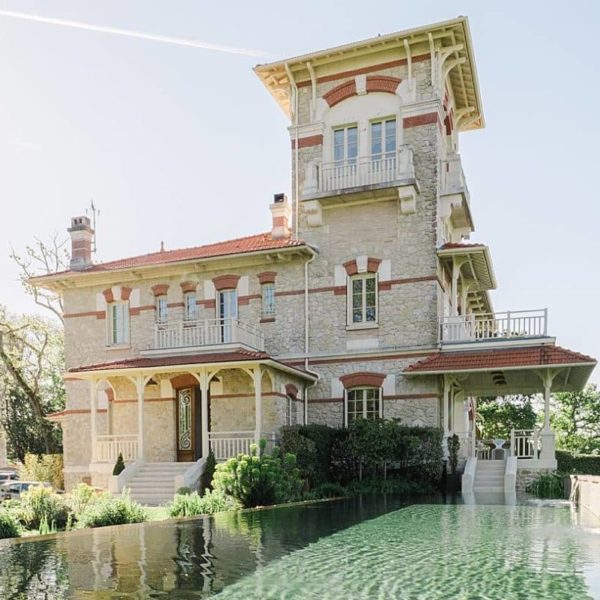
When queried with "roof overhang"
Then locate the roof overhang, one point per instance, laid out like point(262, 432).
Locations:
point(148, 367)
point(74, 279)
point(383, 49)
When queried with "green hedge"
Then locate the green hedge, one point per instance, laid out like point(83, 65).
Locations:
point(582, 464)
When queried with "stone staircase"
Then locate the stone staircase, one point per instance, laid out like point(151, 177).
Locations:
point(489, 476)
point(154, 483)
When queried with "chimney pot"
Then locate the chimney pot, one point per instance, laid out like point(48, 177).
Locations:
point(82, 236)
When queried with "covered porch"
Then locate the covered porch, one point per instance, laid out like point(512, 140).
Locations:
point(178, 409)
point(526, 370)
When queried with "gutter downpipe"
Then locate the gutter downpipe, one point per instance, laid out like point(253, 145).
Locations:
point(294, 103)
point(306, 334)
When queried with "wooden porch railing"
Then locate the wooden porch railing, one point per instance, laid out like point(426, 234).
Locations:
point(108, 447)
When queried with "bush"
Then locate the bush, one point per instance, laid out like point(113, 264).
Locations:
point(9, 526)
point(547, 485)
point(119, 465)
point(46, 467)
point(188, 505)
point(581, 464)
point(208, 473)
point(184, 491)
point(453, 448)
point(257, 479)
point(329, 490)
point(112, 510)
point(313, 446)
point(42, 505)
point(392, 485)
point(80, 498)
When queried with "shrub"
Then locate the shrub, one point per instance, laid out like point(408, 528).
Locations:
point(39, 504)
point(188, 505)
point(9, 526)
point(119, 465)
point(329, 490)
point(112, 510)
point(208, 473)
point(453, 448)
point(80, 497)
point(257, 479)
point(547, 485)
point(392, 485)
point(46, 467)
point(582, 464)
point(184, 491)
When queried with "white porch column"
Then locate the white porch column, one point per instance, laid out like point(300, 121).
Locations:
point(454, 289)
point(547, 437)
point(204, 391)
point(257, 378)
point(547, 390)
point(139, 388)
point(93, 411)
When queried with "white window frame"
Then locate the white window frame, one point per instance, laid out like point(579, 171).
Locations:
point(344, 127)
point(186, 306)
point(364, 324)
point(383, 120)
point(112, 339)
point(267, 304)
point(363, 389)
point(161, 318)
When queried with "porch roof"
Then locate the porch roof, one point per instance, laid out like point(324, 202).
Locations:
point(184, 361)
point(510, 370)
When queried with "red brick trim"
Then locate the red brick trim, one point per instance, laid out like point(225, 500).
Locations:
point(411, 397)
point(160, 289)
point(340, 92)
point(207, 303)
point(351, 267)
point(90, 313)
point(188, 286)
point(382, 83)
point(362, 378)
point(364, 70)
point(324, 400)
point(125, 293)
point(335, 361)
point(267, 277)
point(373, 264)
point(175, 305)
point(181, 381)
point(225, 282)
point(308, 141)
point(134, 312)
point(291, 390)
point(268, 320)
point(108, 295)
point(426, 119)
point(134, 400)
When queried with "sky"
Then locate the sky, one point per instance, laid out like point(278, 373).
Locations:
point(184, 145)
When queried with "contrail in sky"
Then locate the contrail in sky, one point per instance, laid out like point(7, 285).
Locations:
point(134, 34)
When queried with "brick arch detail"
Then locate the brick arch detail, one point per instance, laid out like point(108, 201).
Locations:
point(225, 282)
point(160, 289)
point(108, 295)
point(188, 286)
point(374, 83)
point(362, 379)
point(267, 277)
point(351, 266)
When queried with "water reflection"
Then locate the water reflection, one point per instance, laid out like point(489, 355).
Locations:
point(312, 551)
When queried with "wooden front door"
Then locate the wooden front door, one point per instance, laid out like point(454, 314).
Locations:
point(189, 424)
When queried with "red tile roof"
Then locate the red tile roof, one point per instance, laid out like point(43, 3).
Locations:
point(183, 359)
point(252, 243)
point(478, 360)
point(454, 245)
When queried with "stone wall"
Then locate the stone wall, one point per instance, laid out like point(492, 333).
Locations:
point(588, 492)
point(527, 476)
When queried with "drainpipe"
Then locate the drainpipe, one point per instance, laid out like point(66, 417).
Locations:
point(294, 103)
point(307, 332)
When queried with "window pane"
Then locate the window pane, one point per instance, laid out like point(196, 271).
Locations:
point(376, 138)
point(161, 309)
point(390, 136)
point(352, 150)
point(190, 306)
point(268, 299)
point(338, 144)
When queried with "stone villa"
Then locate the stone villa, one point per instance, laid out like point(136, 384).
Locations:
point(363, 300)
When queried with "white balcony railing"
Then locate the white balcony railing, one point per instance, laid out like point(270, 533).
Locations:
point(494, 326)
point(525, 443)
point(227, 444)
point(207, 332)
point(108, 447)
point(361, 171)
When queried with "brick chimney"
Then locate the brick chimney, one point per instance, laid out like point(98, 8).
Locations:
point(281, 212)
point(82, 236)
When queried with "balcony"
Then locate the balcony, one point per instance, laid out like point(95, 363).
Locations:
point(207, 334)
point(360, 175)
point(494, 327)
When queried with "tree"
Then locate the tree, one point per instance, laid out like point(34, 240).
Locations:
point(31, 386)
point(575, 418)
point(498, 416)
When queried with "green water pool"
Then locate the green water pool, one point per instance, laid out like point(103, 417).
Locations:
point(374, 547)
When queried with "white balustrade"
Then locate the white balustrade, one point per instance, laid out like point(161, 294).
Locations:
point(206, 332)
point(525, 443)
point(108, 447)
point(360, 171)
point(227, 444)
point(492, 326)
